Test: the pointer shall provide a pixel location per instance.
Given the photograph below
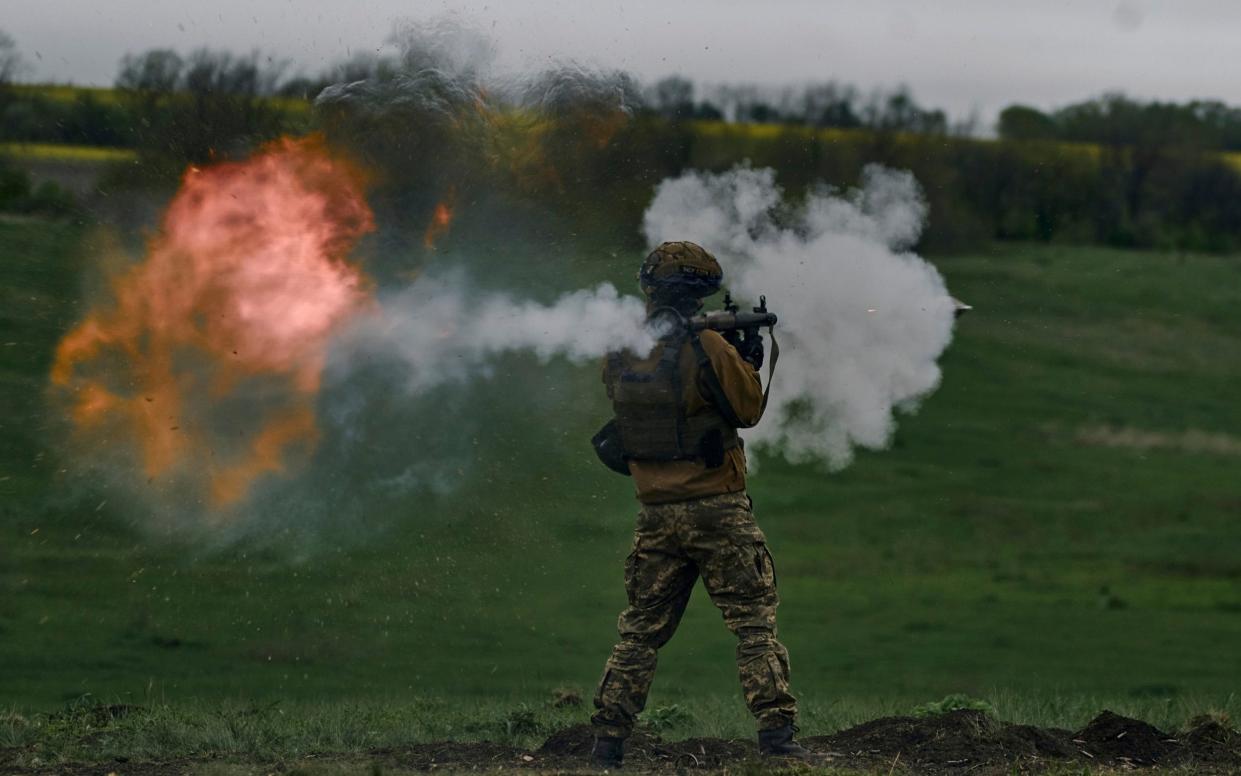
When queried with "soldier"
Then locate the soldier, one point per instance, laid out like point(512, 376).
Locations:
point(675, 431)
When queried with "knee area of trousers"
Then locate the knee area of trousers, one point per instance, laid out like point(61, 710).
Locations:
point(755, 644)
point(630, 652)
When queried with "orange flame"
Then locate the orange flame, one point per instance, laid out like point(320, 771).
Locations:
point(441, 220)
point(229, 314)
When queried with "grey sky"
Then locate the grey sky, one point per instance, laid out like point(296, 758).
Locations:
point(957, 54)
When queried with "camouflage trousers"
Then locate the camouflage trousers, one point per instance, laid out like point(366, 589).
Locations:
point(717, 539)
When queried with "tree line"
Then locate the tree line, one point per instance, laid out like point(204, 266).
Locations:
point(233, 94)
point(1117, 120)
point(1113, 169)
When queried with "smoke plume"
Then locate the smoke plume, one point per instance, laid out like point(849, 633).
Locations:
point(439, 334)
point(862, 319)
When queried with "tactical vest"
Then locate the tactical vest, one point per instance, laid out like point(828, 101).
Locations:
point(649, 408)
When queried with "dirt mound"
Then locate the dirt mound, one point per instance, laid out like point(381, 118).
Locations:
point(971, 739)
point(571, 742)
point(644, 749)
point(577, 740)
point(710, 753)
point(957, 739)
point(1210, 743)
point(572, 745)
point(1113, 738)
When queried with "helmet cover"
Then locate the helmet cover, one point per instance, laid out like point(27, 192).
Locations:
point(682, 269)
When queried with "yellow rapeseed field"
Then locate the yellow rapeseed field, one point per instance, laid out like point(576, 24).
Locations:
point(66, 153)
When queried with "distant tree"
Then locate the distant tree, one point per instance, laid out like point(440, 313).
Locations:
point(1223, 122)
point(672, 98)
point(11, 63)
point(15, 118)
point(1021, 122)
point(1116, 120)
point(748, 104)
point(760, 112)
point(220, 72)
point(196, 106)
point(969, 126)
point(147, 83)
point(157, 71)
point(11, 66)
point(709, 111)
point(829, 105)
point(227, 101)
point(897, 111)
point(1142, 142)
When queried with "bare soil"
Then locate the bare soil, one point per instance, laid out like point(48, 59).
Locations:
point(958, 742)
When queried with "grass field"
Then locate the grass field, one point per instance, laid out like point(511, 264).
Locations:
point(1055, 531)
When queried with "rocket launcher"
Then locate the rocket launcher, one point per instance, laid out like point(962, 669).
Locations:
point(732, 320)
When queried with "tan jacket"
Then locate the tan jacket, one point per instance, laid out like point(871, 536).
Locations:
point(662, 482)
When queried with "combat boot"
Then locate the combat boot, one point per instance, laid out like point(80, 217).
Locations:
point(778, 742)
point(608, 752)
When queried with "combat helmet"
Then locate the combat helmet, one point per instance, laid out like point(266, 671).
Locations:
point(680, 269)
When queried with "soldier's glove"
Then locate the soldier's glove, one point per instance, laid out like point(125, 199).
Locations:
point(732, 337)
point(750, 348)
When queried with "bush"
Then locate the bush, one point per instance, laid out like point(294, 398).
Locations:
point(955, 702)
point(19, 195)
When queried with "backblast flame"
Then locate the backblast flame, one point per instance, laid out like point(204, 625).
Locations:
point(441, 220)
point(206, 361)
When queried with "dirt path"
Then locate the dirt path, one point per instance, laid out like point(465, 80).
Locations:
point(959, 742)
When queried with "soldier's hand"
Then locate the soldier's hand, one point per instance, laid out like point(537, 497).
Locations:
point(750, 348)
point(732, 337)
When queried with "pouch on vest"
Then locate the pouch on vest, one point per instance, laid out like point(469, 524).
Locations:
point(607, 444)
point(711, 446)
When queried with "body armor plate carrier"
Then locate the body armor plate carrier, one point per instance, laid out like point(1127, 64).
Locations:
point(649, 407)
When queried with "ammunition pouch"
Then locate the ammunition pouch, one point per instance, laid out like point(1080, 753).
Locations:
point(607, 444)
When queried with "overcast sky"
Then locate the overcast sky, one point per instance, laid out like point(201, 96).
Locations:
point(963, 55)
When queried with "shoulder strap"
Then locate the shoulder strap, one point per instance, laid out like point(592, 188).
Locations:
point(771, 364)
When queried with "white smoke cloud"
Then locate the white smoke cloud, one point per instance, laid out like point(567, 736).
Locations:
point(862, 320)
point(443, 336)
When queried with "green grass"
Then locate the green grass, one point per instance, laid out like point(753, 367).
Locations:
point(991, 552)
point(271, 731)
